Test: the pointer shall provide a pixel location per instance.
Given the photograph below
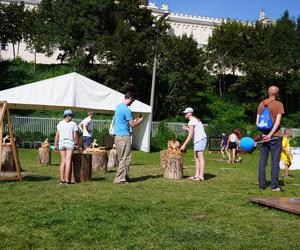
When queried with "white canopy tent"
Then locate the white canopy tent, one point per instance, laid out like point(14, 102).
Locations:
point(80, 94)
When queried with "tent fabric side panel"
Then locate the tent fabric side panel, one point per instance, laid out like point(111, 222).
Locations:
point(141, 135)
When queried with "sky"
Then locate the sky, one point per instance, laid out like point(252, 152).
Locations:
point(245, 10)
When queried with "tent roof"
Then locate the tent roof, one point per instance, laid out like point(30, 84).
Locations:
point(68, 91)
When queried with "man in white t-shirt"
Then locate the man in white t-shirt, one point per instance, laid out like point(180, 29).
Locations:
point(196, 132)
point(86, 127)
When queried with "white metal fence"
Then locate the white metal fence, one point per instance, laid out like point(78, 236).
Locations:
point(47, 125)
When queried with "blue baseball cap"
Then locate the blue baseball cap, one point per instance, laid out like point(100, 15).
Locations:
point(68, 112)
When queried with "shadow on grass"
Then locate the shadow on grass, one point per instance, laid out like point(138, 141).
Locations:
point(146, 177)
point(36, 178)
point(209, 176)
point(98, 179)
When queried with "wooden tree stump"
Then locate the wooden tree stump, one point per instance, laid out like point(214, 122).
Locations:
point(99, 161)
point(112, 159)
point(81, 167)
point(7, 161)
point(44, 156)
point(163, 158)
point(173, 167)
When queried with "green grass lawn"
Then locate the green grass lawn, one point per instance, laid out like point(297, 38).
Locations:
point(151, 213)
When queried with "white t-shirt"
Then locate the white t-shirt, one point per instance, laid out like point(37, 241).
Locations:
point(199, 132)
point(87, 122)
point(65, 131)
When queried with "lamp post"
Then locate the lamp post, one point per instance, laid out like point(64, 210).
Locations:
point(153, 82)
point(164, 15)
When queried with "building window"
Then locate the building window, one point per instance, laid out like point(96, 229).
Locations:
point(4, 46)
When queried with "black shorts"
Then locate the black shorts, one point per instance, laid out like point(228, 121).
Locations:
point(232, 145)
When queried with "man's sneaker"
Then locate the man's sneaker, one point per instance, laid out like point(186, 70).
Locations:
point(278, 189)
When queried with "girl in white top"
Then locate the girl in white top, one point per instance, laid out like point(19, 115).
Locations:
point(65, 140)
point(196, 132)
point(233, 145)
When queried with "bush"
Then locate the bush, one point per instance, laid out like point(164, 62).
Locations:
point(100, 135)
point(163, 135)
point(295, 142)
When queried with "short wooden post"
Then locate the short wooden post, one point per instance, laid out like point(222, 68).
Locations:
point(7, 161)
point(163, 158)
point(112, 159)
point(99, 161)
point(81, 167)
point(4, 110)
point(44, 156)
point(173, 167)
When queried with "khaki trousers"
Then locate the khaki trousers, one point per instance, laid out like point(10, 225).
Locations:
point(123, 149)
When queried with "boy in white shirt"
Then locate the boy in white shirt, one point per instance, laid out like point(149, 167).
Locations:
point(86, 127)
point(196, 132)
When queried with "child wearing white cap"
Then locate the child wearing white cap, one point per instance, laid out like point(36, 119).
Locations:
point(65, 140)
point(196, 132)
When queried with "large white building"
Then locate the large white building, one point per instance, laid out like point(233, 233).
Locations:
point(199, 27)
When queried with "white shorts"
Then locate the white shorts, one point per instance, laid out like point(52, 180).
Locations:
point(200, 145)
point(66, 145)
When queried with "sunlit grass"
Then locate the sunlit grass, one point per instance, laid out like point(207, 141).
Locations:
point(151, 213)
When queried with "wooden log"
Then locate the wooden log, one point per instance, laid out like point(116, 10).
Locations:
point(174, 167)
point(81, 167)
point(7, 160)
point(44, 156)
point(112, 159)
point(163, 158)
point(99, 161)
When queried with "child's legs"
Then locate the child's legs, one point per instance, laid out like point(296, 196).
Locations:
point(200, 164)
point(229, 155)
point(62, 164)
point(69, 153)
point(286, 168)
point(233, 154)
point(197, 164)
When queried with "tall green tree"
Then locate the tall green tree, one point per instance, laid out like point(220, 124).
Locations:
point(180, 77)
point(12, 18)
point(129, 51)
point(74, 27)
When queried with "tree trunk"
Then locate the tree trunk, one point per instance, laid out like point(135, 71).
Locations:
point(112, 159)
point(163, 158)
point(81, 167)
point(14, 51)
point(99, 161)
point(44, 156)
point(174, 167)
point(7, 161)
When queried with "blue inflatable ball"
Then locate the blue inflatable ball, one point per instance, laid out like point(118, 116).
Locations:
point(247, 143)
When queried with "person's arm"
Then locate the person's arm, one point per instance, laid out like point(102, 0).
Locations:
point(257, 117)
point(80, 126)
point(75, 137)
point(189, 137)
point(135, 122)
point(274, 129)
point(186, 128)
point(56, 139)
